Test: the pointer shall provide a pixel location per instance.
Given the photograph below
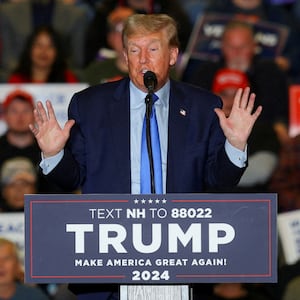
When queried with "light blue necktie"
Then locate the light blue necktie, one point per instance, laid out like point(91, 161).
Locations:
point(145, 165)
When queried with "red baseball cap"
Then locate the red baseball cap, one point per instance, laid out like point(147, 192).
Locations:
point(20, 94)
point(227, 78)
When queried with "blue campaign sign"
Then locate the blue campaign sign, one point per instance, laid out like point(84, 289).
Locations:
point(138, 239)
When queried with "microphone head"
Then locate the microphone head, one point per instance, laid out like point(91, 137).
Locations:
point(150, 81)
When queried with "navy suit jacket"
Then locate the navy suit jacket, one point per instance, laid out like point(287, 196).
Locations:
point(97, 155)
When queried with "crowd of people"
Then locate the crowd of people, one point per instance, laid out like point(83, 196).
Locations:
point(80, 41)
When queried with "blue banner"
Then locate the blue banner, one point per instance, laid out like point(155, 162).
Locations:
point(173, 238)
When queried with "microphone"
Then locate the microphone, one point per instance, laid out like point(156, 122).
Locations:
point(150, 81)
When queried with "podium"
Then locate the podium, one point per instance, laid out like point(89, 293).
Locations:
point(169, 292)
point(152, 247)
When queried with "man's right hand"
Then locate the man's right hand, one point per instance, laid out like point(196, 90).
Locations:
point(50, 136)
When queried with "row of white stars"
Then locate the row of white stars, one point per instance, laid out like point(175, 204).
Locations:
point(150, 201)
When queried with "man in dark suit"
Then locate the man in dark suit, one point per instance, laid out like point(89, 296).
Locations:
point(99, 148)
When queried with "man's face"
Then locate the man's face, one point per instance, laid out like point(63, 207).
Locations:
point(150, 52)
point(115, 39)
point(18, 116)
point(227, 96)
point(238, 48)
point(13, 193)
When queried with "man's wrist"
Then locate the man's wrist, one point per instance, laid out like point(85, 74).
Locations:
point(49, 163)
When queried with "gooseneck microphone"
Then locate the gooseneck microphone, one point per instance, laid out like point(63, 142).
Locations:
point(150, 82)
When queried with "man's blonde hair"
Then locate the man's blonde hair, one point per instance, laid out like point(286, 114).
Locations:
point(151, 23)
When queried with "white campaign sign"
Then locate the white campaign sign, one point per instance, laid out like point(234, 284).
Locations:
point(289, 234)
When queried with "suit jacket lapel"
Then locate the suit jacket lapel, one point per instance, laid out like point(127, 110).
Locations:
point(120, 130)
point(178, 124)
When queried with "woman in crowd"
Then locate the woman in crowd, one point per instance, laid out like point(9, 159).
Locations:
point(43, 60)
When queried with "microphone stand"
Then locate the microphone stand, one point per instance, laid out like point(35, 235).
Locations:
point(149, 104)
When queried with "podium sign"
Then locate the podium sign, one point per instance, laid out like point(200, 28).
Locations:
point(150, 239)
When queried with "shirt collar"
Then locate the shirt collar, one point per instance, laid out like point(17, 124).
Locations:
point(137, 96)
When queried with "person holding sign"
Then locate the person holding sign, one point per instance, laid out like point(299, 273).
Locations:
point(99, 148)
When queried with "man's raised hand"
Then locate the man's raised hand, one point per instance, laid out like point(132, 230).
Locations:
point(50, 137)
point(238, 126)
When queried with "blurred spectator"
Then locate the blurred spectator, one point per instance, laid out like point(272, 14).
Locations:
point(42, 60)
point(2, 73)
point(231, 291)
point(255, 10)
point(263, 144)
point(109, 69)
point(88, 5)
point(225, 84)
point(286, 178)
point(11, 275)
point(236, 291)
point(19, 19)
point(296, 10)
point(195, 8)
point(267, 81)
point(63, 293)
point(96, 37)
point(286, 275)
point(18, 140)
point(292, 291)
point(18, 177)
point(18, 114)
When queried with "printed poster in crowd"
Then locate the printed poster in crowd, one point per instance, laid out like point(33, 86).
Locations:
point(289, 235)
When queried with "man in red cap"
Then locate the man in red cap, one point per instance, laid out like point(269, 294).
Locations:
point(18, 114)
point(263, 143)
point(226, 82)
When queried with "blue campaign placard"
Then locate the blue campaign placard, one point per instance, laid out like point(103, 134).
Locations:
point(155, 239)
